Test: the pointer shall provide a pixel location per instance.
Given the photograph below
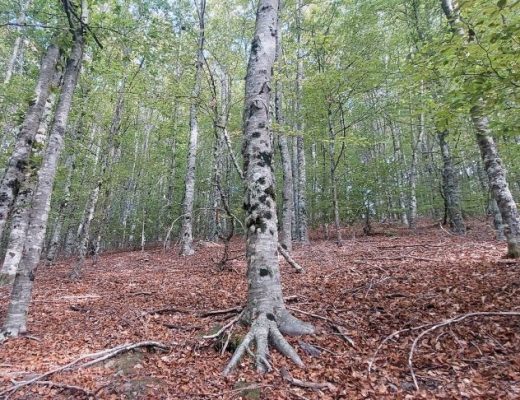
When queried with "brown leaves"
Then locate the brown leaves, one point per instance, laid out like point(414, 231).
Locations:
point(370, 287)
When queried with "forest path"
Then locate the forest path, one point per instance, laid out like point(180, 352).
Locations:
point(363, 291)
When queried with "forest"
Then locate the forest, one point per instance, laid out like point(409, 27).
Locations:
point(259, 199)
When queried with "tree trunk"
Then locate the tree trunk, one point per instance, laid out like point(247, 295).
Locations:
point(20, 214)
point(189, 190)
point(497, 181)
point(16, 168)
point(450, 187)
point(287, 192)
point(18, 43)
point(16, 318)
point(265, 308)
point(488, 150)
point(303, 234)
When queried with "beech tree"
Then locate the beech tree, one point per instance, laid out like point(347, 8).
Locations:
point(16, 318)
point(265, 310)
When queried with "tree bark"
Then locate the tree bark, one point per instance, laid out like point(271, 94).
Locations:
point(17, 165)
point(450, 186)
point(20, 214)
point(18, 43)
point(189, 190)
point(497, 181)
point(16, 318)
point(265, 308)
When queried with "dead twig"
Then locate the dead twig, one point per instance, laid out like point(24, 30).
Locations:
point(94, 359)
point(448, 322)
point(224, 328)
point(342, 334)
point(286, 375)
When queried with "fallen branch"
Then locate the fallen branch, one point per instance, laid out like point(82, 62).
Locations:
point(286, 375)
point(94, 359)
point(291, 261)
point(447, 322)
point(342, 334)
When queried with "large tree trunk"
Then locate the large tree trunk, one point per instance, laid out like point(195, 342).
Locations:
point(20, 215)
point(16, 168)
point(450, 187)
point(16, 319)
point(189, 190)
point(265, 308)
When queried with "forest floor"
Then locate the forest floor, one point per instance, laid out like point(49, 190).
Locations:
point(359, 294)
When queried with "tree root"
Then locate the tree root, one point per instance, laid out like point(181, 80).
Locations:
point(89, 360)
point(262, 330)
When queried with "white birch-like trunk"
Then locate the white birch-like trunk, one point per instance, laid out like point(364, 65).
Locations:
point(189, 189)
point(265, 309)
point(16, 318)
point(20, 215)
point(18, 162)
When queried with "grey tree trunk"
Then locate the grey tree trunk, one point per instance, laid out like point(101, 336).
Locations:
point(17, 165)
point(450, 186)
point(20, 214)
point(265, 308)
point(189, 189)
point(488, 150)
point(16, 318)
point(303, 234)
point(399, 160)
point(497, 181)
point(287, 192)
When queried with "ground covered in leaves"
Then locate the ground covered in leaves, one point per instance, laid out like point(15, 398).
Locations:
point(356, 295)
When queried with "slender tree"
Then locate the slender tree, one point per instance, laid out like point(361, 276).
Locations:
point(189, 189)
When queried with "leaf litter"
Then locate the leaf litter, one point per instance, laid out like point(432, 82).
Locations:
point(356, 295)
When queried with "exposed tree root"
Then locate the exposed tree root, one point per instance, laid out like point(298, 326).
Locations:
point(264, 329)
point(88, 360)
